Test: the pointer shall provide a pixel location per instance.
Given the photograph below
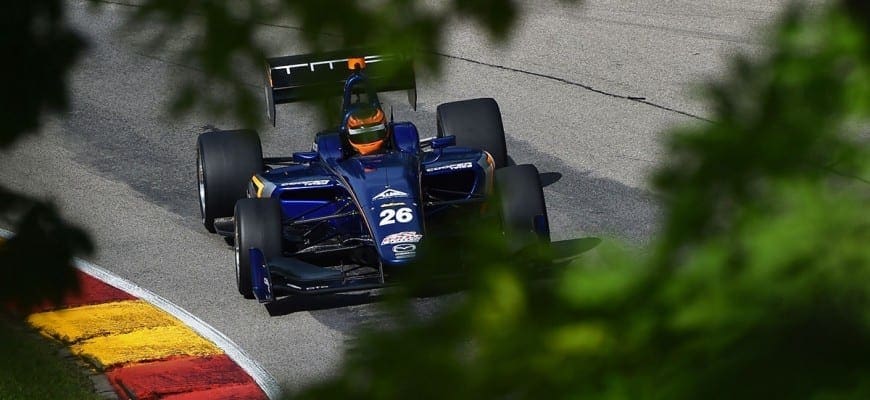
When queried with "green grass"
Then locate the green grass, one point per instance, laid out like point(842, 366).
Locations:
point(32, 368)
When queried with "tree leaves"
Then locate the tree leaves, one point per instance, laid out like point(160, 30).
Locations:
point(39, 52)
point(755, 289)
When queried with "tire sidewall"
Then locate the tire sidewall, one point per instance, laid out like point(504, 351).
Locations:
point(521, 199)
point(226, 162)
point(475, 123)
point(258, 225)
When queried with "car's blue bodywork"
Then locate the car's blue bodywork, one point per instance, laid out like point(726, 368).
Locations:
point(351, 220)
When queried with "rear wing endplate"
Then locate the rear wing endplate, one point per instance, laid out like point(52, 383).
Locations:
point(309, 76)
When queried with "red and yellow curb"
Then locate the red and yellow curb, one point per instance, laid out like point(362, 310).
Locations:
point(145, 352)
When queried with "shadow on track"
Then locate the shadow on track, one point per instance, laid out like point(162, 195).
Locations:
point(291, 304)
point(549, 178)
point(563, 252)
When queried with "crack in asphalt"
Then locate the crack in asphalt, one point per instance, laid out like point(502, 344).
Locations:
point(636, 99)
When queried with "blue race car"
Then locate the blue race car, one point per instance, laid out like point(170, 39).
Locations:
point(351, 213)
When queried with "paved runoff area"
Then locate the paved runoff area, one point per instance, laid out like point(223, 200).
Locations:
point(145, 352)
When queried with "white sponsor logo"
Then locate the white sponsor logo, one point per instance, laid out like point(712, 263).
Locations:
point(402, 237)
point(309, 183)
point(405, 250)
point(389, 194)
point(385, 205)
point(330, 63)
point(452, 167)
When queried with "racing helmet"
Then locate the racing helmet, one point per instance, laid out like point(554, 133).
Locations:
point(366, 129)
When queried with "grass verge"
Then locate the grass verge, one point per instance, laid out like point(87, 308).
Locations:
point(33, 367)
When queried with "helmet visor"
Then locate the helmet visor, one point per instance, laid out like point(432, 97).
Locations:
point(367, 134)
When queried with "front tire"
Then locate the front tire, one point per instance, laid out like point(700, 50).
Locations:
point(258, 225)
point(225, 162)
point(523, 210)
point(476, 124)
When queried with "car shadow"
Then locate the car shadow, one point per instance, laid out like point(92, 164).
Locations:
point(338, 305)
point(566, 251)
point(549, 178)
point(292, 304)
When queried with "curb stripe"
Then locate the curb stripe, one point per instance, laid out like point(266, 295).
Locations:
point(91, 291)
point(260, 375)
point(183, 375)
point(114, 354)
point(86, 322)
point(144, 345)
point(242, 392)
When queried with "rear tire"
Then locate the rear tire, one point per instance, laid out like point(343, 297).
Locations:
point(476, 124)
point(521, 198)
point(225, 162)
point(258, 225)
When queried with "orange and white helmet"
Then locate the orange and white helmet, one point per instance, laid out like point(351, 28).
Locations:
point(367, 129)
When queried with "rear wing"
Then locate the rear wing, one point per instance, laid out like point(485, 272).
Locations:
point(309, 76)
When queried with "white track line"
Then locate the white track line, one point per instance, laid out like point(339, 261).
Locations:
point(263, 378)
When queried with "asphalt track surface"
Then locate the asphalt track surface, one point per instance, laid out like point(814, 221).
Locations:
point(586, 93)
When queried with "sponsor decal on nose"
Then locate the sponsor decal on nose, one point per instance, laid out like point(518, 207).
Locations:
point(405, 250)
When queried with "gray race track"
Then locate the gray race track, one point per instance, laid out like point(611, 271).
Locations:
point(116, 166)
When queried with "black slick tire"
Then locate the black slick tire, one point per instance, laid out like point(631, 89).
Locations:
point(522, 208)
point(477, 124)
point(225, 163)
point(258, 225)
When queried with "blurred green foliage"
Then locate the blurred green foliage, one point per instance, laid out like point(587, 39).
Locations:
point(39, 52)
point(36, 264)
point(757, 287)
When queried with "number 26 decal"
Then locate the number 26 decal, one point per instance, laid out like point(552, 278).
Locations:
point(390, 216)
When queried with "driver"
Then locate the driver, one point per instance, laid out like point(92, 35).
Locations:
point(366, 129)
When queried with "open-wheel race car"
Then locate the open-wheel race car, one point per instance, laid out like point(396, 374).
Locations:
point(350, 213)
